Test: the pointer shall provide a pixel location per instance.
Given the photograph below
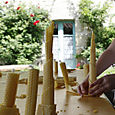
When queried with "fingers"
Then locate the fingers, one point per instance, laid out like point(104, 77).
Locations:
point(98, 87)
point(93, 89)
point(83, 89)
point(99, 81)
point(79, 90)
point(98, 92)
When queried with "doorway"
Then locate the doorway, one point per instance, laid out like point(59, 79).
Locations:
point(64, 44)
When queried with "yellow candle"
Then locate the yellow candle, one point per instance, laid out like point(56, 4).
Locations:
point(92, 68)
point(48, 81)
point(32, 89)
point(47, 107)
point(11, 89)
point(49, 41)
point(56, 67)
point(86, 69)
point(65, 74)
point(0, 74)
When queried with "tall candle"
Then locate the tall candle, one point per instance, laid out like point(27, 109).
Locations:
point(48, 81)
point(32, 89)
point(86, 69)
point(11, 89)
point(92, 68)
point(65, 74)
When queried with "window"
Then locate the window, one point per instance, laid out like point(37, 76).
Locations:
point(55, 29)
point(68, 28)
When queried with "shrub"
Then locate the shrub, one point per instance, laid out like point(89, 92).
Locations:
point(21, 33)
point(94, 17)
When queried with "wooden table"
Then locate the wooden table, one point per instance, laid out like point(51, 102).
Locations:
point(68, 104)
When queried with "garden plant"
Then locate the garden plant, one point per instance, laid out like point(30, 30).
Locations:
point(95, 17)
point(21, 32)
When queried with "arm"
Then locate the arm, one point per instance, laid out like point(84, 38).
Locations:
point(104, 61)
point(108, 81)
point(102, 85)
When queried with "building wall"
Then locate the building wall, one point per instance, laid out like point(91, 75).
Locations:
point(67, 10)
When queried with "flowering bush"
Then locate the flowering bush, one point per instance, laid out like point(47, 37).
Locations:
point(79, 66)
point(21, 33)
